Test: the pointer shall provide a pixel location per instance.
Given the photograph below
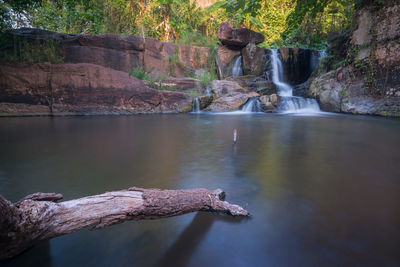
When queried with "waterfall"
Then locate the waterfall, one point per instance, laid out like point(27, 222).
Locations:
point(289, 103)
point(196, 105)
point(283, 88)
point(322, 53)
point(237, 67)
point(252, 105)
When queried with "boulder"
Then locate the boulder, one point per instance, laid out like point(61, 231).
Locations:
point(228, 96)
point(80, 89)
point(238, 38)
point(254, 60)
point(252, 83)
point(224, 87)
point(228, 103)
point(225, 59)
point(269, 102)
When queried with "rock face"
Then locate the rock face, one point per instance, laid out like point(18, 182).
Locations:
point(298, 64)
point(374, 88)
point(228, 96)
point(225, 58)
point(340, 91)
point(181, 84)
point(119, 52)
point(238, 38)
point(253, 60)
point(176, 60)
point(79, 89)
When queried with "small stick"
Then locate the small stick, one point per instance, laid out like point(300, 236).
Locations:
point(234, 136)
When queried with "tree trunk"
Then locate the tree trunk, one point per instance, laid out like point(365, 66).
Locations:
point(38, 217)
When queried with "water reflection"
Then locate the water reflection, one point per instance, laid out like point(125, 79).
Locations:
point(323, 190)
point(180, 252)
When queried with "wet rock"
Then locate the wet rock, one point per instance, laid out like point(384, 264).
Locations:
point(350, 96)
point(225, 59)
point(253, 60)
point(80, 89)
point(238, 38)
point(205, 101)
point(228, 96)
point(297, 64)
point(254, 83)
point(269, 102)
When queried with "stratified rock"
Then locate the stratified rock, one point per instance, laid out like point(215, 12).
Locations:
point(225, 59)
point(119, 52)
point(254, 60)
point(181, 84)
point(238, 38)
point(80, 89)
point(176, 60)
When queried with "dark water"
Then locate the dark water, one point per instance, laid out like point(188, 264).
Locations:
point(322, 190)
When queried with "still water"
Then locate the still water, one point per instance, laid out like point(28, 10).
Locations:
point(322, 190)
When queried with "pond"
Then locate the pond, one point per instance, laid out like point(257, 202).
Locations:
point(322, 190)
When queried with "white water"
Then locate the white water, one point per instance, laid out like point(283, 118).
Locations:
point(237, 67)
point(283, 88)
point(252, 105)
point(289, 103)
point(196, 105)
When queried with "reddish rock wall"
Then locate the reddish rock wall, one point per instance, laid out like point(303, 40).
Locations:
point(80, 89)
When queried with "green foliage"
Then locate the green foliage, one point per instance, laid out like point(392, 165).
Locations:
point(301, 23)
point(143, 74)
point(24, 50)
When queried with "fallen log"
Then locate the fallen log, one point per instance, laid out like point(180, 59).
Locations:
point(39, 217)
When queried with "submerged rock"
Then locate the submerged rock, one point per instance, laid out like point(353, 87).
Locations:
point(238, 38)
point(80, 89)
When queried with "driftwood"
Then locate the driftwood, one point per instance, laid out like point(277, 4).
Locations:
point(39, 217)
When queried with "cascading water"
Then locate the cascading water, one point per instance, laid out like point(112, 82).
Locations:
point(196, 105)
point(289, 103)
point(283, 88)
point(252, 105)
point(237, 67)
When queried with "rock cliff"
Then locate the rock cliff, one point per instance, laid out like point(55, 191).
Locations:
point(80, 89)
point(371, 83)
